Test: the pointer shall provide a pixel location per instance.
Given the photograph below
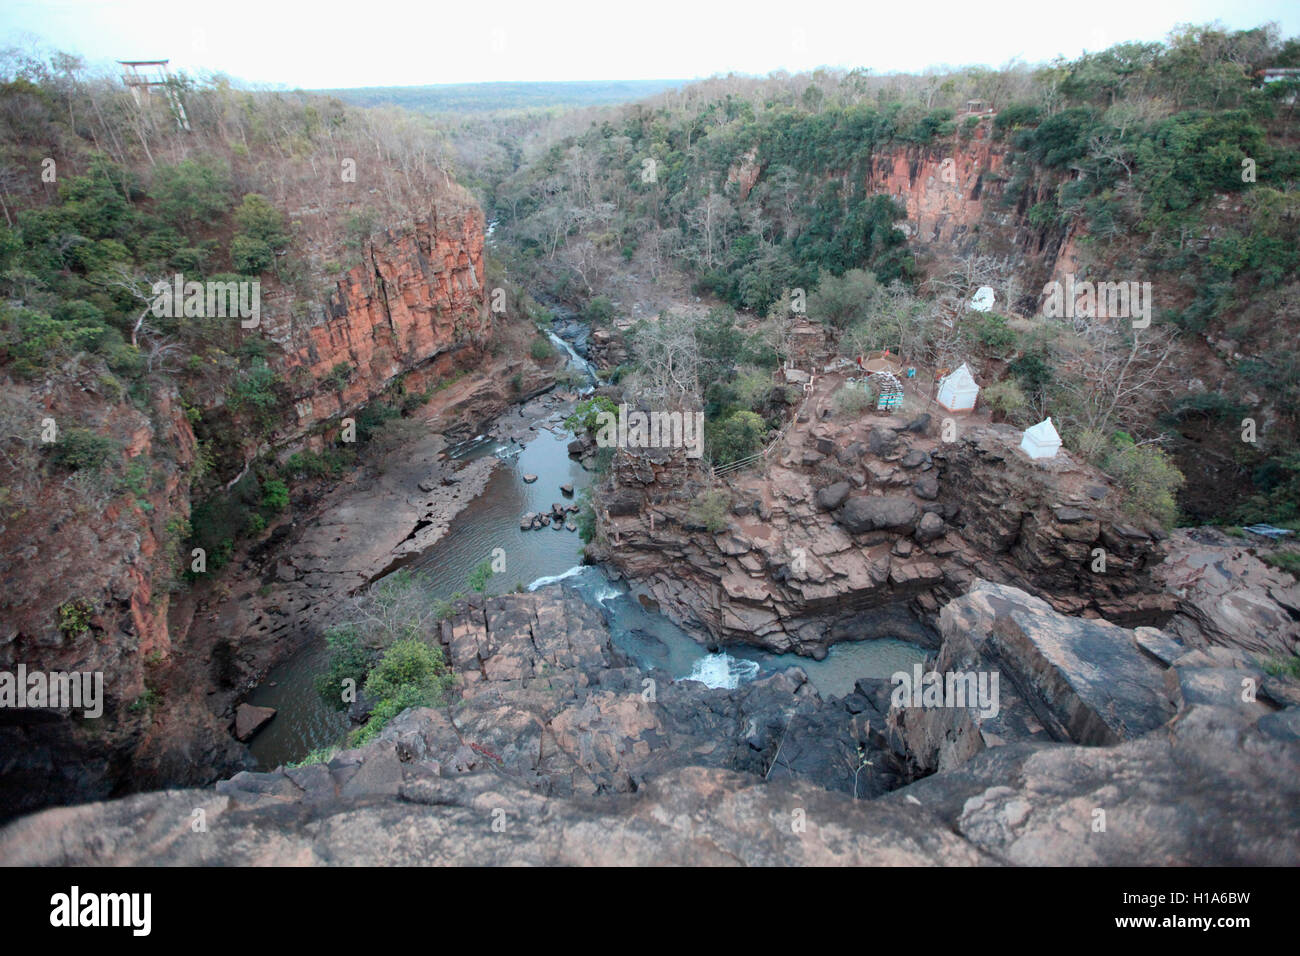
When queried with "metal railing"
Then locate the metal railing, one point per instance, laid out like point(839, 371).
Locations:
point(734, 466)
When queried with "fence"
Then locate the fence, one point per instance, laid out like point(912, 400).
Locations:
point(758, 456)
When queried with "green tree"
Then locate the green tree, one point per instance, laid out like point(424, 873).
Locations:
point(735, 437)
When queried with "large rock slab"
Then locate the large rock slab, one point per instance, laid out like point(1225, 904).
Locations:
point(1089, 679)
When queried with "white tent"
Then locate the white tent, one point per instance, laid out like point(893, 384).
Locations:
point(1041, 440)
point(983, 299)
point(958, 391)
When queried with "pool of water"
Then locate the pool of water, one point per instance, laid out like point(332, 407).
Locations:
point(652, 640)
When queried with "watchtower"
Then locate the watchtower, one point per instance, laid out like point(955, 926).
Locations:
point(142, 76)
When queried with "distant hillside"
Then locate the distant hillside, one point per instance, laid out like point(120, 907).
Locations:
point(489, 97)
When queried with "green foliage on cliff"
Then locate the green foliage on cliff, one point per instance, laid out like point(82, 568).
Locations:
point(79, 449)
point(410, 674)
point(737, 436)
point(348, 661)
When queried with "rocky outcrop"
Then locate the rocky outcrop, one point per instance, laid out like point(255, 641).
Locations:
point(953, 196)
point(1080, 680)
point(856, 515)
point(415, 309)
point(1226, 595)
point(547, 698)
point(1155, 716)
point(556, 752)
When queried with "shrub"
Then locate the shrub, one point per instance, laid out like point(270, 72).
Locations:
point(275, 495)
point(339, 376)
point(74, 617)
point(250, 256)
point(479, 577)
point(586, 516)
point(1148, 476)
point(851, 401)
point(994, 334)
point(348, 661)
point(735, 437)
point(255, 391)
point(584, 417)
point(79, 449)
point(599, 310)
point(711, 510)
point(541, 349)
point(839, 301)
point(1005, 397)
point(410, 674)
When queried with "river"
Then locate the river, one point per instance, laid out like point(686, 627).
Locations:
point(533, 559)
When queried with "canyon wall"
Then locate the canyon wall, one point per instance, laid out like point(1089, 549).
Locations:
point(111, 556)
point(955, 202)
point(415, 301)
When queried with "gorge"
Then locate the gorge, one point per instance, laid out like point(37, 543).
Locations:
point(367, 583)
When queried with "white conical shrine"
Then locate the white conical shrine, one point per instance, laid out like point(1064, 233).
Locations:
point(958, 391)
point(1041, 440)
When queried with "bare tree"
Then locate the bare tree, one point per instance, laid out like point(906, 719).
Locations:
point(669, 356)
point(1117, 376)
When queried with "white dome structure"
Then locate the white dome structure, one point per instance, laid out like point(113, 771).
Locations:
point(958, 391)
point(1041, 440)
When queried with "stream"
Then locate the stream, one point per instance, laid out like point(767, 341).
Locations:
point(534, 559)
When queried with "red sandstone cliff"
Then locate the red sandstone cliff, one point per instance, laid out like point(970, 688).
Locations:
point(417, 297)
point(415, 307)
point(953, 193)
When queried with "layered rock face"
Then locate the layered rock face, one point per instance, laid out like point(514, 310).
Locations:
point(953, 198)
point(1228, 596)
point(416, 308)
point(1207, 731)
point(416, 300)
point(854, 516)
point(556, 752)
point(946, 194)
point(107, 560)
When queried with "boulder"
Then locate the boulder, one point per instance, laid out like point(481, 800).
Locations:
point(929, 527)
point(832, 496)
point(1093, 682)
point(249, 719)
point(529, 479)
point(862, 514)
point(926, 487)
point(882, 441)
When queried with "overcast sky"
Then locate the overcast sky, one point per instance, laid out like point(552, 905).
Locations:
point(343, 43)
